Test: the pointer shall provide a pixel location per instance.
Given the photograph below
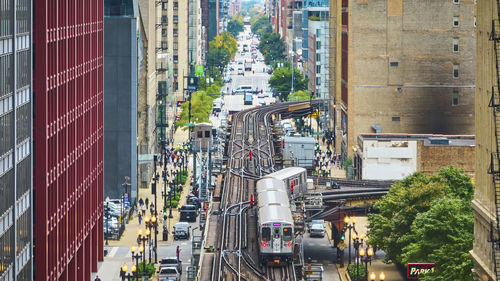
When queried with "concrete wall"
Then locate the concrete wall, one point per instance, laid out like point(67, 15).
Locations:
point(434, 157)
point(120, 106)
point(484, 197)
point(388, 160)
point(418, 36)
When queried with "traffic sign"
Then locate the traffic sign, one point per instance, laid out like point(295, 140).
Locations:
point(341, 245)
point(317, 133)
point(199, 70)
point(189, 124)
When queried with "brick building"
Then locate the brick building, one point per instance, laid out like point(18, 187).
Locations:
point(402, 67)
point(485, 253)
point(68, 138)
point(396, 156)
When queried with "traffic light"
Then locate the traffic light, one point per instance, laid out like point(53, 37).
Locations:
point(283, 142)
point(251, 200)
point(250, 154)
point(342, 236)
point(189, 146)
point(153, 188)
point(164, 214)
point(291, 186)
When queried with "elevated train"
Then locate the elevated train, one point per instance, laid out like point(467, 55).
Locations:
point(275, 220)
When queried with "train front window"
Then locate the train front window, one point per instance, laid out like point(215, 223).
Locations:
point(266, 234)
point(276, 233)
point(287, 233)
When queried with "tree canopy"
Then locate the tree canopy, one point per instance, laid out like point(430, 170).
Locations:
point(282, 81)
point(220, 52)
point(260, 24)
point(427, 219)
point(235, 26)
point(300, 95)
point(201, 105)
point(272, 47)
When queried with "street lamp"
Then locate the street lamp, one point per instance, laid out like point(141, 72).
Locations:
point(127, 276)
point(107, 220)
point(136, 256)
point(349, 224)
point(154, 225)
point(170, 216)
point(366, 258)
point(141, 240)
point(373, 276)
point(358, 247)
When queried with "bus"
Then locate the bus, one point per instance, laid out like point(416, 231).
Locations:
point(248, 99)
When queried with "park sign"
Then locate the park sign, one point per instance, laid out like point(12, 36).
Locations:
point(415, 269)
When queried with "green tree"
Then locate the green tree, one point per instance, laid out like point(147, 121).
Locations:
point(234, 26)
point(300, 95)
point(443, 235)
point(260, 24)
point(220, 52)
point(427, 218)
point(282, 81)
point(272, 47)
point(201, 108)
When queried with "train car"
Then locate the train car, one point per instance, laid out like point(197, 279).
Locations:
point(295, 175)
point(273, 197)
point(265, 184)
point(275, 235)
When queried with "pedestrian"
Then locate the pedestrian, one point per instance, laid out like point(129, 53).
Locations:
point(141, 202)
point(139, 216)
point(143, 210)
point(147, 202)
point(178, 251)
point(97, 278)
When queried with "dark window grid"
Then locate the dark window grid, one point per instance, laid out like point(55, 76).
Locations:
point(396, 119)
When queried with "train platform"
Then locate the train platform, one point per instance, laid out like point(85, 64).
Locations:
point(209, 247)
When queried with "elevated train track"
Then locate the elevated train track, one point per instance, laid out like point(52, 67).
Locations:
point(250, 154)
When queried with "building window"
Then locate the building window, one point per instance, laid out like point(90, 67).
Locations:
point(454, 98)
point(175, 32)
point(456, 21)
point(164, 5)
point(176, 59)
point(175, 45)
point(164, 45)
point(456, 1)
point(455, 44)
point(164, 19)
point(318, 32)
point(455, 70)
point(164, 32)
point(394, 63)
point(176, 5)
point(318, 57)
point(318, 45)
point(396, 119)
point(318, 68)
point(176, 19)
point(318, 81)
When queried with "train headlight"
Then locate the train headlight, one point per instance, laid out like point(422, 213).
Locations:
point(289, 244)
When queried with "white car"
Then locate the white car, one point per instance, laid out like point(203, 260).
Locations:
point(261, 95)
point(317, 229)
point(169, 273)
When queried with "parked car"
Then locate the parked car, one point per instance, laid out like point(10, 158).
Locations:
point(181, 230)
point(188, 213)
point(169, 273)
point(240, 71)
point(317, 229)
point(228, 79)
point(171, 262)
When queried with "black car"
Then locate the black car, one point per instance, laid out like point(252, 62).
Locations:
point(188, 213)
point(193, 200)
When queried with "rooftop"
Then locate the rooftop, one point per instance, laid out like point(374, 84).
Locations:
point(429, 139)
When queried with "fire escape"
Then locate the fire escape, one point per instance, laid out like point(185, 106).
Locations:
point(495, 155)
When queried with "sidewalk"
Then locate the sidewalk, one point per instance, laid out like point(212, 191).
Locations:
point(109, 268)
point(377, 265)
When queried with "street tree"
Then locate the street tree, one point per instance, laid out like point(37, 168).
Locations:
point(300, 95)
point(410, 222)
point(272, 47)
point(201, 108)
point(234, 26)
point(282, 81)
point(443, 235)
point(260, 24)
point(220, 52)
